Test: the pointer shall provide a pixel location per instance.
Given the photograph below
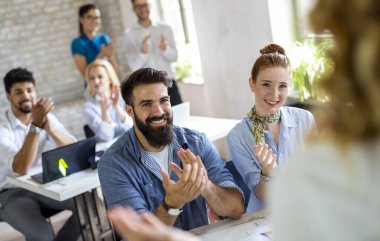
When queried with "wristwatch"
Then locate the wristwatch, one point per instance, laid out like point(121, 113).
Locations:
point(171, 211)
point(34, 129)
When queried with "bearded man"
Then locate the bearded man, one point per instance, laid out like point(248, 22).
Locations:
point(173, 172)
point(27, 129)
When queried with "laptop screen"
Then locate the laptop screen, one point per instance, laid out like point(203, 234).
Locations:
point(68, 159)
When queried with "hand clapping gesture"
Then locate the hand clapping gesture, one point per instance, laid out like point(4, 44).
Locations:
point(163, 43)
point(40, 111)
point(145, 45)
point(266, 158)
point(107, 50)
point(192, 181)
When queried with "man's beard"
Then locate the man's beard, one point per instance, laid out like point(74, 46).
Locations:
point(156, 136)
point(23, 109)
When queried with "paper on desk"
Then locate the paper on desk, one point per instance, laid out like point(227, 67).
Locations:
point(264, 233)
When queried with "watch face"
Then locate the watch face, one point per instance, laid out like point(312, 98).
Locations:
point(174, 212)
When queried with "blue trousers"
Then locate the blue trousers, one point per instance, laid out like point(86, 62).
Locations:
point(23, 210)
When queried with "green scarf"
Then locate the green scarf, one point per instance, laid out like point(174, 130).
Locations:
point(259, 123)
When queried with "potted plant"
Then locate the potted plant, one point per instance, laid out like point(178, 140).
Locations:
point(310, 62)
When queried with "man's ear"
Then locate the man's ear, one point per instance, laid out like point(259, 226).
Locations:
point(129, 110)
point(8, 96)
point(252, 84)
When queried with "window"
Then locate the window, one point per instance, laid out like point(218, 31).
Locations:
point(179, 15)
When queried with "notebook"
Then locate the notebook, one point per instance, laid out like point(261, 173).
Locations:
point(66, 160)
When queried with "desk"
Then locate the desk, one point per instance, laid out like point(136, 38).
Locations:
point(233, 230)
point(75, 186)
point(214, 128)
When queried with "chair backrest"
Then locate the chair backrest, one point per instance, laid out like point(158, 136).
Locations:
point(88, 132)
point(239, 181)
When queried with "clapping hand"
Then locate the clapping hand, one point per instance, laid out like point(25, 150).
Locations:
point(40, 111)
point(192, 180)
point(266, 158)
point(163, 43)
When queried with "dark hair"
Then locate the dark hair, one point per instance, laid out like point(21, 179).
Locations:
point(83, 10)
point(17, 75)
point(272, 55)
point(142, 76)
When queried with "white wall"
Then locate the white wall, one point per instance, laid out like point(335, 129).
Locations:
point(230, 34)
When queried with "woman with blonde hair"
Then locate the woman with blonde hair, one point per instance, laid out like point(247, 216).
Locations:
point(104, 110)
point(329, 191)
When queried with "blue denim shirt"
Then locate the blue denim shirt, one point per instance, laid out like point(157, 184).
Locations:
point(294, 126)
point(131, 177)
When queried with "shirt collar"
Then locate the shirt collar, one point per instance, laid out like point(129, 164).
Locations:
point(149, 162)
point(286, 120)
point(14, 121)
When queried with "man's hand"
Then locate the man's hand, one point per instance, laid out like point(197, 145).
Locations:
point(145, 45)
point(266, 158)
point(192, 180)
point(163, 43)
point(40, 111)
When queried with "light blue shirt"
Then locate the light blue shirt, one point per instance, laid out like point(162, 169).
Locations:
point(105, 131)
point(295, 124)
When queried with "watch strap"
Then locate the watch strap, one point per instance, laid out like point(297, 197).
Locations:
point(34, 129)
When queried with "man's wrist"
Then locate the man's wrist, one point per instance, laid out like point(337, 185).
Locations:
point(34, 129)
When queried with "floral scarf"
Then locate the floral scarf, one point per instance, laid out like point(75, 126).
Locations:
point(259, 123)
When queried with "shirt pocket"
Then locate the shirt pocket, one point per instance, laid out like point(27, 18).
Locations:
point(153, 193)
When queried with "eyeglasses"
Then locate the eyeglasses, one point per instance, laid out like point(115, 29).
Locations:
point(141, 6)
point(93, 18)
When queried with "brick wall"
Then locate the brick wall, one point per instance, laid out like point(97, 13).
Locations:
point(37, 34)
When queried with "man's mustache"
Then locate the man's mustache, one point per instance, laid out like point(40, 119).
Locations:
point(24, 101)
point(156, 118)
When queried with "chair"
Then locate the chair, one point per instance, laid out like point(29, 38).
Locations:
point(88, 132)
point(239, 181)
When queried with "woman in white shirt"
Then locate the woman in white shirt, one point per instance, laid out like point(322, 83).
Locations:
point(104, 108)
point(331, 191)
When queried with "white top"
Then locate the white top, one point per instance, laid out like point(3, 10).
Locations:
point(161, 158)
point(155, 58)
point(12, 136)
point(326, 194)
point(103, 130)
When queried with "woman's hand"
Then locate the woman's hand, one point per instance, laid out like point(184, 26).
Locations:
point(266, 158)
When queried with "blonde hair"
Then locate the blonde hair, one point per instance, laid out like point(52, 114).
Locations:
point(114, 80)
point(353, 113)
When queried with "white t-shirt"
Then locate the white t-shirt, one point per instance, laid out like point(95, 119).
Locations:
point(328, 194)
point(161, 158)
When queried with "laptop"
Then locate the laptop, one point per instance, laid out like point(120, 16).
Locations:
point(181, 113)
point(66, 160)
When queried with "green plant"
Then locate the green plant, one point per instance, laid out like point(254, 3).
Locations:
point(313, 63)
point(183, 71)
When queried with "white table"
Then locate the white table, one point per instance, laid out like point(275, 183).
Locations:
point(80, 186)
point(61, 189)
point(246, 228)
point(214, 128)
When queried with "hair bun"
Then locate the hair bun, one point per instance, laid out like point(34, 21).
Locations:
point(272, 48)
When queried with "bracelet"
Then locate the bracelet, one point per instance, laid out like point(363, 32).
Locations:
point(266, 178)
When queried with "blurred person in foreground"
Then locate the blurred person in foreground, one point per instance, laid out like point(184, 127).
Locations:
point(329, 191)
point(144, 227)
